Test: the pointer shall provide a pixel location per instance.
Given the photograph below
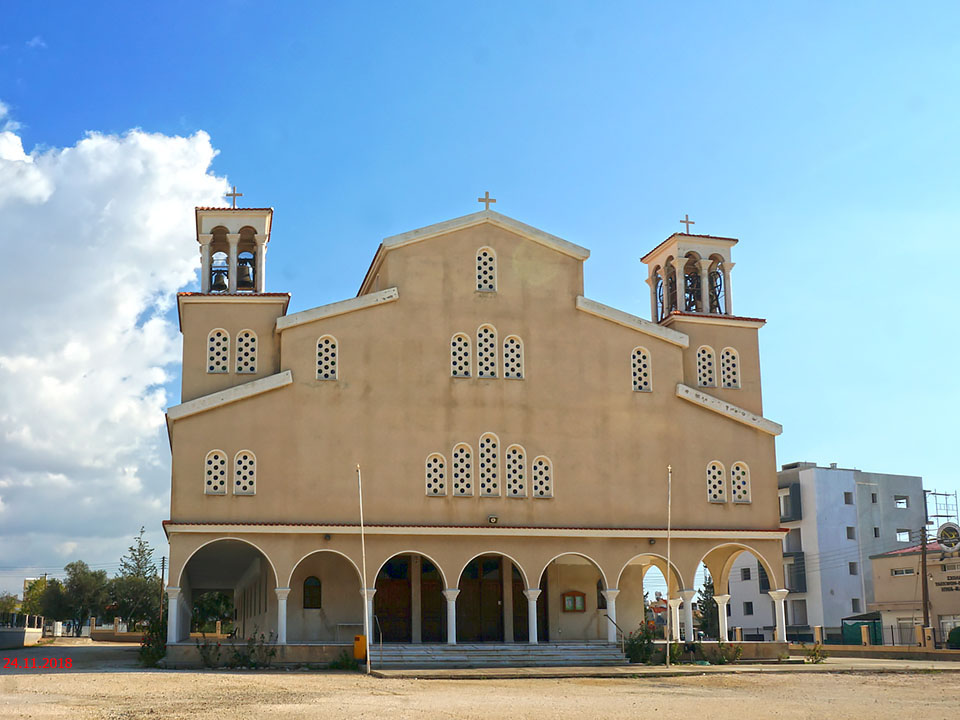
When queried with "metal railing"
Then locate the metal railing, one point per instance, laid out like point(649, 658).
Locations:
point(620, 631)
point(376, 620)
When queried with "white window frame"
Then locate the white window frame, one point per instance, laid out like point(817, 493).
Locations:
point(702, 379)
point(724, 372)
point(336, 366)
point(469, 345)
point(495, 351)
point(525, 478)
point(225, 361)
point(470, 468)
point(252, 489)
point(208, 473)
point(522, 371)
point(493, 256)
point(483, 474)
point(442, 475)
point(637, 385)
point(254, 350)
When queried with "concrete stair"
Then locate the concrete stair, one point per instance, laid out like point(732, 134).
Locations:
point(494, 655)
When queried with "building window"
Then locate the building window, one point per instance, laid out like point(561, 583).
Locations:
point(246, 351)
point(853, 569)
point(740, 482)
point(460, 364)
point(744, 574)
point(848, 498)
point(640, 366)
point(435, 475)
point(901, 501)
point(949, 568)
point(215, 473)
point(903, 535)
point(327, 358)
point(311, 593)
point(899, 572)
point(462, 471)
point(487, 352)
point(729, 368)
point(513, 358)
point(873, 498)
point(855, 604)
point(218, 351)
point(516, 472)
point(876, 532)
point(486, 270)
point(706, 367)
point(542, 477)
point(489, 465)
point(244, 473)
point(851, 533)
point(716, 487)
point(748, 608)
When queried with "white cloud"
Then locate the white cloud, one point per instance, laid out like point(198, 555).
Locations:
point(36, 42)
point(7, 123)
point(96, 238)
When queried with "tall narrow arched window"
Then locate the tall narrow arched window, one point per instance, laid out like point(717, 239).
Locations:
point(311, 593)
point(328, 362)
point(516, 471)
point(740, 482)
point(462, 470)
point(218, 351)
point(541, 477)
point(716, 483)
point(435, 475)
point(215, 473)
point(486, 270)
point(245, 473)
point(513, 358)
point(489, 465)
point(642, 371)
point(706, 367)
point(246, 351)
point(460, 362)
point(729, 368)
point(487, 351)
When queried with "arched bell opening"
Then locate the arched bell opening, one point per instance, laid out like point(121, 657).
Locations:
point(325, 604)
point(491, 606)
point(246, 260)
point(717, 282)
point(409, 606)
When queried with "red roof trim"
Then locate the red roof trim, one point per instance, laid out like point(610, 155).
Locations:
point(236, 294)
point(230, 209)
point(718, 316)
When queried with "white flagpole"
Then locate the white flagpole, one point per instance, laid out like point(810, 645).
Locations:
point(669, 566)
point(363, 556)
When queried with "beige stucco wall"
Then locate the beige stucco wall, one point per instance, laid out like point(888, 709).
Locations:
point(901, 596)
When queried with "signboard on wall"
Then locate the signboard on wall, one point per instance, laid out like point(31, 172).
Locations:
point(948, 535)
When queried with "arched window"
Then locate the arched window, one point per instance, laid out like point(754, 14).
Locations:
point(489, 469)
point(327, 364)
point(487, 351)
point(245, 473)
point(436, 475)
point(706, 367)
point(729, 368)
point(542, 477)
point(462, 471)
point(716, 483)
point(516, 464)
point(641, 369)
point(218, 351)
point(215, 473)
point(460, 363)
point(513, 358)
point(486, 270)
point(311, 593)
point(740, 482)
point(246, 351)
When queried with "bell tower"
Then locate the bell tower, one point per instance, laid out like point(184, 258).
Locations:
point(233, 249)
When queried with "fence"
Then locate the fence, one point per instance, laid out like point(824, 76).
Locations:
point(16, 620)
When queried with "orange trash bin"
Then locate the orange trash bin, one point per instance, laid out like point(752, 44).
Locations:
point(359, 647)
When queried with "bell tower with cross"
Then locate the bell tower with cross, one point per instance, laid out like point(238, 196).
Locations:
point(233, 247)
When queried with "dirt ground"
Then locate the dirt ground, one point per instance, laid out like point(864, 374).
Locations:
point(105, 682)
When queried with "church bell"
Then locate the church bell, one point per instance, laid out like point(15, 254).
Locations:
point(244, 277)
point(219, 282)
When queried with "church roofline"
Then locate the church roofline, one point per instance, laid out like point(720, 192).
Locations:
point(708, 238)
point(338, 308)
point(709, 402)
point(229, 395)
point(592, 307)
point(247, 297)
point(714, 319)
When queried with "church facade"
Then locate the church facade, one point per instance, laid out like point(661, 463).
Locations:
point(515, 440)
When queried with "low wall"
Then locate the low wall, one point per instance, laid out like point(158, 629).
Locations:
point(183, 655)
point(111, 636)
point(896, 652)
point(19, 637)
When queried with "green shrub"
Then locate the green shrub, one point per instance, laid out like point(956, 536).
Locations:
point(725, 654)
point(815, 654)
point(638, 645)
point(344, 662)
point(257, 652)
point(153, 646)
point(210, 652)
point(953, 639)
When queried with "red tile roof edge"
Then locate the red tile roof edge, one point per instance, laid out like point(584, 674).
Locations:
point(231, 209)
point(719, 316)
point(236, 294)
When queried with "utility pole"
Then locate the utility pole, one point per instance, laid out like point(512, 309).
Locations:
point(163, 567)
point(669, 566)
point(923, 564)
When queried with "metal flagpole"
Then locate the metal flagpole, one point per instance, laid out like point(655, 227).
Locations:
point(669, 510)
point(363, 558)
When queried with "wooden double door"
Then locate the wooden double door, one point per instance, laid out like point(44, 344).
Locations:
point(393, 605)
point(481, 607)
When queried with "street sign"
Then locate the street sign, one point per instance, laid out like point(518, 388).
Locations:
point(948, 535)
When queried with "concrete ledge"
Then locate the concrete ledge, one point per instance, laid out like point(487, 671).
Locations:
point(883, 652)
point(183, 655)
point(19, 637)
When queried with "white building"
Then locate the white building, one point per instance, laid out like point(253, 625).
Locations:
point(837, 519)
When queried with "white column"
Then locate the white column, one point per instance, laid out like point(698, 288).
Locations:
point(727, 292)
point(674, 604)
point(367, 595)
point(205, 260)
point(779, 597)
point(173, 614)
point(260, 265)
point(611, 596)
point(282, 594)
point(532, 594)
point(722, 601)
point(688, 596)
point(233, 239)
point(679, 266)
point(705, 285)
point(450, 595)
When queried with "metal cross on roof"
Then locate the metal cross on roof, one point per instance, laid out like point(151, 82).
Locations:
point(687, 222)
point(486, 200)
point(233, 196)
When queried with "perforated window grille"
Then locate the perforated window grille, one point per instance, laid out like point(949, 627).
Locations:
point(487, 352)
point(642, 372)
point(215, 473)
point(460, 364)
point(516, 466)
point(486, 270)
point(462, 471)
point(436, 475)
point(706, 367)
point(513, 358)
point(244, 473)
point(729, 368)
point(716, 483)
point(218, 351)
point(489, 469)
point(327, 360)
point(542, 477)
point(740, 482)
point(246, 351)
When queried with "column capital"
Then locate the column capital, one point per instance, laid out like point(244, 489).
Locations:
point(450, 594)
point(705, 264)
point(233, 238)
point(688, 595)
point(261, 239)
point(674, 602)
point(610, 594)
point(532, 594)
point(368, 593)
point(205, 238)
point(778, 594)
point(173, 592)
point(282, 592)
point(722, 599)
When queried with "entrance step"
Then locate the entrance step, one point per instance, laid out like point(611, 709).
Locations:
point(495, 655)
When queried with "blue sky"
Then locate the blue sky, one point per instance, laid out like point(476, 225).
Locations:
point(823, 135)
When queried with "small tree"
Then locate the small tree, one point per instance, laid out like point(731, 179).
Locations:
point(86, 592)
point(53, 601)
point(33, 597)
point(136, 590)
point(8, 603)
point(709, 612)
